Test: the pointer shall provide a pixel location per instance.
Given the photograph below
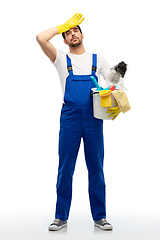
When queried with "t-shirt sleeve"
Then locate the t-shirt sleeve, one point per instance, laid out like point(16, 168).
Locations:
point(106, 72)
point(104, 67)
point(61, 67)
point(59, 58)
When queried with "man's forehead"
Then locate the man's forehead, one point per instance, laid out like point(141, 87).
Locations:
point(72, 28)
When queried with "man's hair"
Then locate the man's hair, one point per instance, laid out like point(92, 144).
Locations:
point(63, 34)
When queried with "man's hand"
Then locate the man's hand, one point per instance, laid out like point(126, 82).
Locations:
point(71, 23)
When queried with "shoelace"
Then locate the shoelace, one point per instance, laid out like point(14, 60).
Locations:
point(104, 221)
point(56, 221)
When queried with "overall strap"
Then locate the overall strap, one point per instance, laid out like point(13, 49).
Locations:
point(69, 65)
point(94, 64)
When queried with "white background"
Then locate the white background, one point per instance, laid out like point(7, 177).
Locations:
point(31, 97)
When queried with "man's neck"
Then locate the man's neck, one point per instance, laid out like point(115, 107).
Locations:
point(77, 50)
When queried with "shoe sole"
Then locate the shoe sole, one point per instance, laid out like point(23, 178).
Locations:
point(55, 228)
point(107, 228)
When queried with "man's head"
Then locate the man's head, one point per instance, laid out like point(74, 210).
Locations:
point(73, 37)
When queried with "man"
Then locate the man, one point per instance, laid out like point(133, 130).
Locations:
point(77, 121)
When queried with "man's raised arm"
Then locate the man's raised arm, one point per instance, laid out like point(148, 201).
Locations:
point(44, 37)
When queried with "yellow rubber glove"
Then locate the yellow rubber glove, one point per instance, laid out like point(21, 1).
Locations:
point(70, 23)
point(114, 111)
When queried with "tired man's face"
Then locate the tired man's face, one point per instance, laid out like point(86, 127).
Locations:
point(73, 37)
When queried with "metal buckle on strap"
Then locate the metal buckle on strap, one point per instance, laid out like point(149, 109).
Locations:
point(69, 68)
point(94, 68)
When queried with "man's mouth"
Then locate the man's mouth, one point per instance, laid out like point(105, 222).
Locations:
point(75, 38)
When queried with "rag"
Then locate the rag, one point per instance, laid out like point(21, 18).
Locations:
point(105, 96)
point(122, 100)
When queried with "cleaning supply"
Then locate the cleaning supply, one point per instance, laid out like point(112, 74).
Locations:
point(115, 111)
point(101, 99)
point(106, 101)
point(70, 23)
point(98, 111)
point(96, 84)
point(122, 100)
point(112, 88)
point(105, 96)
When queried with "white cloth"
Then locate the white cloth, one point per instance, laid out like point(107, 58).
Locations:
point(81, 64)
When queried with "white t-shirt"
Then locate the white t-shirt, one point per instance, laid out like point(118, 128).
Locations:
point(81, 64)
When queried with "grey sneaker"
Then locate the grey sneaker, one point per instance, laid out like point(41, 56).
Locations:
point(103, 224)
point(57, 225)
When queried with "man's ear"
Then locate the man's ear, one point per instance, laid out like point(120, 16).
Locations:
point(82, 36)
point(65, 41)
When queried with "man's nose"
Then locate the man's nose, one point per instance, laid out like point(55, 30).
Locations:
point(73, 33)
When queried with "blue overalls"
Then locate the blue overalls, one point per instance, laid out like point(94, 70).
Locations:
point(76, 122)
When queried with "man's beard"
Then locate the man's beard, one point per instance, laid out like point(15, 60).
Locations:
point(72, 44)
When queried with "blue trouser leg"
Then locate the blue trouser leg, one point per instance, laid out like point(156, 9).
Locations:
point(77, 123)
point(69, 142)
point(94, 155)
